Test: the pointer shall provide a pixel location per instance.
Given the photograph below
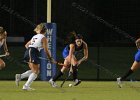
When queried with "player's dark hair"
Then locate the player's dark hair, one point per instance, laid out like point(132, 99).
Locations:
point(79, 36)
point(71, 37)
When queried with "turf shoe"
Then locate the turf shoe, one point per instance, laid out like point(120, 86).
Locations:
point(119, 82)
point(53, 84)
point(17, 79)
point(77, 82)
point(27, 88)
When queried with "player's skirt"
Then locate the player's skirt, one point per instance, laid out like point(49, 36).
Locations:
point(137, 56)
point(32, 55)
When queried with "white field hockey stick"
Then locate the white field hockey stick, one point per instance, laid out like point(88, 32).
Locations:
point(2, 55)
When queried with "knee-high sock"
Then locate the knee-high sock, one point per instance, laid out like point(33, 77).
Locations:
point(31, 78)
point(126, 74)
point(75, 72)
point(59, 74)
point(26, 74)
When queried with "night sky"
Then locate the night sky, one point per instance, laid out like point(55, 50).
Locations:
point(97, 20)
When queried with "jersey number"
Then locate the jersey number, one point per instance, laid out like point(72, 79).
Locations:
point(33, 41)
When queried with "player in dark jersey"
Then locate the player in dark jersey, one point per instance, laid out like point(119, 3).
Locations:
point(76, 44)
point(135, 65)
point(3, 37)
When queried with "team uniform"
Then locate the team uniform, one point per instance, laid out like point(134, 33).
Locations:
point(32, 56)
point(137, 56)
point(65, 52)
point(32, 53)
point(73, 62)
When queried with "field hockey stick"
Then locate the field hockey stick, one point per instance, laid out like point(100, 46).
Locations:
point(69, 74)
point(2, 55)
point(58, 63)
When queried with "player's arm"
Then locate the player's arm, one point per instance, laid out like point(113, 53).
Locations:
point(27, 44)
point(5, 44)
point(71, 51)
point(85, 53)
point(46, 50)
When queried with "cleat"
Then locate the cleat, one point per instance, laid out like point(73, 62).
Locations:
point(77, 82)
point(27, 88)
point(119, 82)
point(17, 79)
point(53, 84)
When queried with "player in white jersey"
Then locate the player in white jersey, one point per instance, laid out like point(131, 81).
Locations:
point(3, 36)
point(39, 41)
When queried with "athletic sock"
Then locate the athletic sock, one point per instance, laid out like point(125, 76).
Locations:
point(127, 74)
point(26, 74)
point(31, 78)
point(57, 76)
point(75, 72)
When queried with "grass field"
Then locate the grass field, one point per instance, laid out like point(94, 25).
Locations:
point(85, 91)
